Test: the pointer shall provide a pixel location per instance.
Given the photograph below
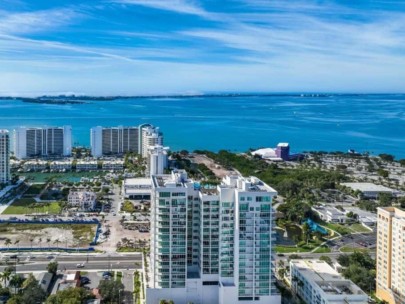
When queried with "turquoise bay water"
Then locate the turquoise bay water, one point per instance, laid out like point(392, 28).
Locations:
point(373, 123)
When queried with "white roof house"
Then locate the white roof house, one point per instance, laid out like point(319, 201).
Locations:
point(330, 214)
point(317, 282)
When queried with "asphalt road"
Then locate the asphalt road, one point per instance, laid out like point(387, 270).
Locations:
point(39, 263)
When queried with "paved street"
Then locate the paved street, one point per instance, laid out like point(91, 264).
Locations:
point(39, 263)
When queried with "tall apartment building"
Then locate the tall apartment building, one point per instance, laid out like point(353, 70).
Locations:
point(42, 142)
point(113, 140)
point(157, 160)
point(211, 244)
point(4, 157)
point(149, 136)
point(391, 255)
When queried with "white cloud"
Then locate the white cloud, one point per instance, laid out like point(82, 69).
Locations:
point(179, 6)
point(38, 21)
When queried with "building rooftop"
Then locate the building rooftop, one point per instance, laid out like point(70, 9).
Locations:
point(266, 153)
point(328, 279)
point(396, 212)
point(139, 181)
point(368, 187)
point(251, 184)
point(332, 211)
point(177, 179)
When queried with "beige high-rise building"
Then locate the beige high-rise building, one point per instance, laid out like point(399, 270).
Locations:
point(391, 255)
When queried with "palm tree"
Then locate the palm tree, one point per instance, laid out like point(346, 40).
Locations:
point(7, 243)
point(31, 240)
point(6, 275)
point(40, 241)
point(48, 241)
point(16, 281)
point(17, 242)
point(57, 243)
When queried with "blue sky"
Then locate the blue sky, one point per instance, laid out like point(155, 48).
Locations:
point(137, 47)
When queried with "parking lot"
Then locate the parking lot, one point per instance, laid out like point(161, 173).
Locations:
point(355, 241)
point(95, 277)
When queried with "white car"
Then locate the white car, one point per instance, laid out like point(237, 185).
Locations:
point(80, 265)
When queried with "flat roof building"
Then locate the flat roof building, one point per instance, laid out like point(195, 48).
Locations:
point(317, 282)
point(211, 244)
point(42, 142)
point(113, 165)
point(86, 165)
point(370, 190)
point(330, 214)
point(35, 165)
point(157, 160)
point(64, 165)
point(137, 188)
point(113, 140)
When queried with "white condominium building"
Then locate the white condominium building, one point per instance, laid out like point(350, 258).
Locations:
point(149, 136)
point(86, 165)
point(211, 244)
point(4, 157)
point(113, 140)
point(318, 283)
point(391, 255)
point(83, 200)
point(42, 142)
point(157, 159)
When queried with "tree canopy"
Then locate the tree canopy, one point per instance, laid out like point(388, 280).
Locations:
point(31, 293)
point(110, 290)
point(360, 268)
point(52, 267)
point(70, 296)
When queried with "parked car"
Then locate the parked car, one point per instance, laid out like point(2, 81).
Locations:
point(84, 280)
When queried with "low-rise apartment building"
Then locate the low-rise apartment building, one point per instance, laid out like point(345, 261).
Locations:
point(86, 165)
point(35, 165)
point(83, 200)
point(316, 282)
point(113, 165)
point(60, 165)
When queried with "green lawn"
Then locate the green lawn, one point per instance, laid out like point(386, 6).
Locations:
point(359, 228)
point(349, 249)
point(127, 206)
point(119, 276)
point(290, 249)
point(337, 227)
point(24, 206)
point(322, 250)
